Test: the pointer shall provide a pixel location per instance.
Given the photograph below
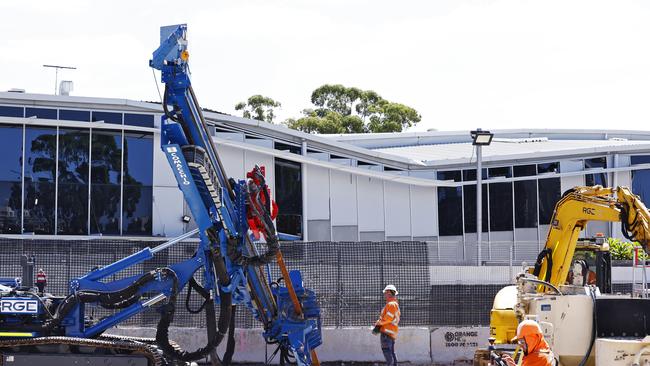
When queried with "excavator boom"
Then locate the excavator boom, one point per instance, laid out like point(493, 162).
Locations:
point(574, 210)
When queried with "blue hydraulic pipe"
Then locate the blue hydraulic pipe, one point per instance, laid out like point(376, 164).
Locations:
point(141, 256)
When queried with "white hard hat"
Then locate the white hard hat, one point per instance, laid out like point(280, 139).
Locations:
point(390, 288)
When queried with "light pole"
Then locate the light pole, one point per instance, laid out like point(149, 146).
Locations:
point(480, 138)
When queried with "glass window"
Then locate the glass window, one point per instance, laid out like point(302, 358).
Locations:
point(138, 158)
point(72, 208)
point(288, 195)
point(641, 184)
point(640, 159)
point(10, 193)
point(74, 115)
point(500, 200)
point(450, 205)
point(138, 179)
point(524, 170)
point(142, 120)
point(40, 170)
point(469, 202)
point(105, 193)
point(525, 197)
point(549, 194)
point(553, 167)
point(11, 149)
point(107, 117)
point(46, 113)
point(599, 178)
point(137, 210)
point(7, 111)
point(293, 149)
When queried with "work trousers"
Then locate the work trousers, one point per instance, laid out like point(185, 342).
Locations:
point(388, 348)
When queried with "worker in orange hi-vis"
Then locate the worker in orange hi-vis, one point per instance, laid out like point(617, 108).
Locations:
point(387, 325)
point(531, 340)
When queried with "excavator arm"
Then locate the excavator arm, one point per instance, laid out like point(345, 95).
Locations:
point(574, 210)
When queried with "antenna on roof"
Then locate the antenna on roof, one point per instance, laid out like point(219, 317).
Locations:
point(56, 77)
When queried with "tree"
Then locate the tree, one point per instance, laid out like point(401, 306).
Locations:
point(392, 117)
point(340, 109)
point(328, 122)
point(258, 107)
point(336, 98)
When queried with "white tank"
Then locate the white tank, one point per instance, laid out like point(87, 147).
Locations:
point(567, 324)
point(622, 352)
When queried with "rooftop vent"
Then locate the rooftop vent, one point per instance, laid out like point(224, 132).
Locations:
point(16, 90)
point(65, 87)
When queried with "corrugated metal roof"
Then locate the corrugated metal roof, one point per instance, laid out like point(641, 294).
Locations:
point(504, 149)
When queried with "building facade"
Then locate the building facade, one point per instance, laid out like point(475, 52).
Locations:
point(88, 167)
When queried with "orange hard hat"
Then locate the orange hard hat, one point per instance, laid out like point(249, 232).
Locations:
point(527, 328)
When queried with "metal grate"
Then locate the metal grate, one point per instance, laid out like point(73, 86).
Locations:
point(348, 278)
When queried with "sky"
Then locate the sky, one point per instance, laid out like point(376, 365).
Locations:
point(462, 64)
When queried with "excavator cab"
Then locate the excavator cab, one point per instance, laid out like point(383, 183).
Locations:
point(592, 265)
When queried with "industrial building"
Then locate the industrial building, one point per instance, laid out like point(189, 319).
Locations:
point(87, 167)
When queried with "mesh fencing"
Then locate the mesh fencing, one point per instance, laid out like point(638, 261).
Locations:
point(435, 288)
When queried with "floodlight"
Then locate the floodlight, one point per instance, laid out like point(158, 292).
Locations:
point(481, 138)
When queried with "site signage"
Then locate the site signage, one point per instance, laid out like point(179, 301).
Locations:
point(18, 306)
point(451, 344)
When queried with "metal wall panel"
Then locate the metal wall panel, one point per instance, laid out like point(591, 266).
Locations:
point(424, 213)
point(398, 210)
point(318, 196)
point(371, 204)
point(344, 198)
point(167, 211)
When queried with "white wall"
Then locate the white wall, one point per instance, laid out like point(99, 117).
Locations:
point(371, 204)
point(318, 188)
point(167, 211)
point(343, 198)
point(398, 209)
point(252, 158)
point(233, 161)
point(424, 211)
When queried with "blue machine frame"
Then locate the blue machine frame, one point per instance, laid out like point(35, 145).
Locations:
point(220, 207)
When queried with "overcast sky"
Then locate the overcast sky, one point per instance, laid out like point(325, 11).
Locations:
point(461, 64)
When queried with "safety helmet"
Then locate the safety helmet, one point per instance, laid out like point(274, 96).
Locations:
point(390, 288)
point(527, 328)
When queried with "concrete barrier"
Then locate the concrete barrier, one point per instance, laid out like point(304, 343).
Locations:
point(360, 345)
point(417, 346)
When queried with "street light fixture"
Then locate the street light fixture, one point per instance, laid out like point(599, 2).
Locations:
point(480, 138)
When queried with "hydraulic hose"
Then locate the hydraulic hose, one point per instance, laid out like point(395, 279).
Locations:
point(547, 254)
point(594, 322)
point(215, 332)
point(110, 300)
point(544, 283)
point(230, 346)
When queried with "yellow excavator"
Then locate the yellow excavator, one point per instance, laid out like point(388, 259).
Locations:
point(584, 324)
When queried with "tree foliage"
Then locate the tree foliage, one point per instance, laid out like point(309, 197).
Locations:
point(624, 250)
point(340, 110)
point(258, 107)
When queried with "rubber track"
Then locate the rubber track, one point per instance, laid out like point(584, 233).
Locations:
point(137, 346)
